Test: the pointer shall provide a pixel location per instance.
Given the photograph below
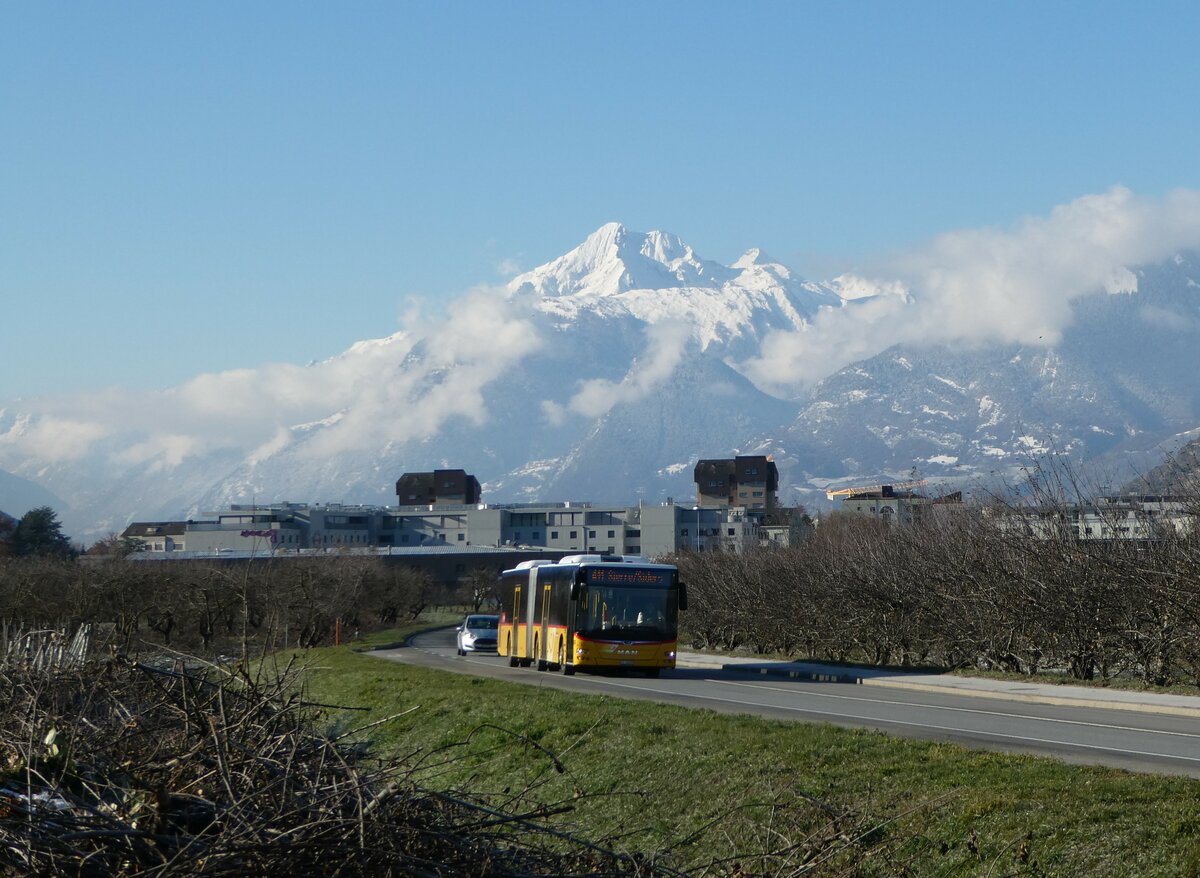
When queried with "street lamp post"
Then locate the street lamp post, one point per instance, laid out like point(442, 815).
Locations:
point(696, 509)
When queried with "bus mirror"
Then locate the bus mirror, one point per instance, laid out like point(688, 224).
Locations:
point(682, 596)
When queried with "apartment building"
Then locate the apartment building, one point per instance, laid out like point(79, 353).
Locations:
point(442, 487)
point(750, 482)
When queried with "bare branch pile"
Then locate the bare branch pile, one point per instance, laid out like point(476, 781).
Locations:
point(125, 768)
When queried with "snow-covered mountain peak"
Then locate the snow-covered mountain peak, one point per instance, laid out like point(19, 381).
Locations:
point(613, 260)
point(651, 278)
point(753, 256)
point(665, 248)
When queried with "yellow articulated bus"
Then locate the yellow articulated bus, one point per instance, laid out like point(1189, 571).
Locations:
point(591, 611)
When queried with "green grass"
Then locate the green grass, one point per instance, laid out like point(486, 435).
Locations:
point(651, 775)
point(389, 638)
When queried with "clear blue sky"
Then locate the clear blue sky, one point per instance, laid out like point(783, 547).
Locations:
point(196, 187)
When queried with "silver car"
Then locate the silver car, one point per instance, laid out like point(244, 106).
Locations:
point(477, 633)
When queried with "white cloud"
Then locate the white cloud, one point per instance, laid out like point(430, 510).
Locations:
point(453, 360)
point(54, 439)
point(967, 287)
point(990, 285)
point(665, 344)
point(386, 390)
point(554, 414)
point(159, 452)
point(508, 267)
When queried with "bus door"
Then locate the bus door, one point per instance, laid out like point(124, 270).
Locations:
point(513, 648)
point(543, 647)
point(530, 613)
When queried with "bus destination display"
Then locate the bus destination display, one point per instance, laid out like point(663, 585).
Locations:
point(629, 576)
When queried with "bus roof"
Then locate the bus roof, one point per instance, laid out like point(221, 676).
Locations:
point(525, 565)
point(604, 559)
point(590, 561)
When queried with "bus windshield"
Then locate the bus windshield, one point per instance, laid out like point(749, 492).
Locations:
point(647, 611)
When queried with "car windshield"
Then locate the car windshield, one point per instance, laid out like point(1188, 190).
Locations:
point(483, 623)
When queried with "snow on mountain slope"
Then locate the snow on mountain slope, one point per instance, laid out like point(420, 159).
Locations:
point(646, 448)
point(1120, 383)
point(599, 340)
point(607, 372)
point(653, 277)
point(613, 260)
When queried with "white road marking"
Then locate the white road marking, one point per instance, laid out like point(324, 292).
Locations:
point(1023, 716)
point(1074, 745)
point(948, 729)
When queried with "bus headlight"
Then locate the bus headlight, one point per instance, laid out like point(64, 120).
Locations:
point(671, 654)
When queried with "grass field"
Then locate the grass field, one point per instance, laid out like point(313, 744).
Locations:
point(705, 786)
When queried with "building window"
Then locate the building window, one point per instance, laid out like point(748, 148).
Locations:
point(461, 537)
point(731, 532)
point(574, 534)
point(612, 550)
point(683, 532)
point(591, 535)
point(611, 534)
point(554, 535)
point(635, 550)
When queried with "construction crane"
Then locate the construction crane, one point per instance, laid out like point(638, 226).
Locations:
point(834, 493)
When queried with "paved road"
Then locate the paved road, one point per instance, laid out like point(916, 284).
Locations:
point(1124, 735)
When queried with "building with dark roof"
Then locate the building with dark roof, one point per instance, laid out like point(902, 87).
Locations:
point(751, 482)
point(442, 487)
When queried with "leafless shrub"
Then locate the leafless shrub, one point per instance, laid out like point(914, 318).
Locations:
point(121, 768)
point(1007, 584)
point(131, 769)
